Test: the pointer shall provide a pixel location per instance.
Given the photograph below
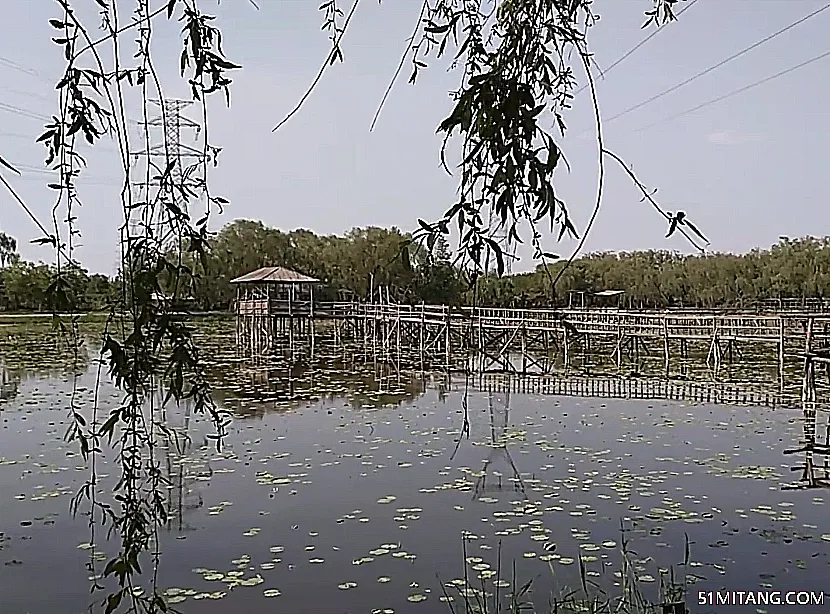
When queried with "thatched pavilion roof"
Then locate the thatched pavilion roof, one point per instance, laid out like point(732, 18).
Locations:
point(274, 275)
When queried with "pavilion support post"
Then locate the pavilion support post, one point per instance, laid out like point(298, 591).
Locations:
point(238, 321)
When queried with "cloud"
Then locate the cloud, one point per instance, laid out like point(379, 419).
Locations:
point(733, 137)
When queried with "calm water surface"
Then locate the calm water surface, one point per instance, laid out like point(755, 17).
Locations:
point(358, 501)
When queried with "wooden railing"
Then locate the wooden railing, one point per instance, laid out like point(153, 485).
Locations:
point(671, 324)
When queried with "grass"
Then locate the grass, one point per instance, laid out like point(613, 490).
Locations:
point(588, 598)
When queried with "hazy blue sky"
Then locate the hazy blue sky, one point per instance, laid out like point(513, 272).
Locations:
point(746, 170)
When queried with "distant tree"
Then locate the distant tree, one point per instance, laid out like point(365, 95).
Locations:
point(8, 250)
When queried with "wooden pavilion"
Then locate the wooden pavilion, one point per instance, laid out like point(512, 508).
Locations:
point(275, 291)
point(273, 299)
point(580, 299)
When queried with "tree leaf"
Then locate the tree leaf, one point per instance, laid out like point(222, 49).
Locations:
point(8, 166)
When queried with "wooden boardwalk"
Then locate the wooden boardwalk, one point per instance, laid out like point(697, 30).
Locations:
point(779, 359)
point(669, 344)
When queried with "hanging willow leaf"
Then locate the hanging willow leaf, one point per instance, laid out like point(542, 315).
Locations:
point(8, 166)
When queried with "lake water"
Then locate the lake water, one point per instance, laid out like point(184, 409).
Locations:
point(357, 500)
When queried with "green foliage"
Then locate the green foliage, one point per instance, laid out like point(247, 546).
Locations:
point(8, 250)
point(650, 279)
point(148, 348)
point(350, 264)
point(363, 259)
point(657, 279)
point(25, 286)
point(517, 81)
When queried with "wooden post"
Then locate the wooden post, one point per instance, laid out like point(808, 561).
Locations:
point(374, 329)
point(808, 398)
point(636, 341)
point(421, 334)
point(714, 349)
point(565, 348)
point(238, 320)
point(447, 340)
point(398, 332)
point(267, 325)
point(291, 320)
point(666, 344)
point(586, 353)
point(480, 348)
point(524, 349)
point(311, 316)
point(780, 354)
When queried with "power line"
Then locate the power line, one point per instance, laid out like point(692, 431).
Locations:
point(22, 112)
point(30, 171)
point(34, 73)
point(25, 93)
point(638, 45)
point(738, 91)
point(86, 181)
point(17, 135)
point(19, 67)
point(718, 65)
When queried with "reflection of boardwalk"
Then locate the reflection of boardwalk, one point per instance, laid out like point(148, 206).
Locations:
point(9, 384)
point(632, 388)
point(816, 421)
point(491, 477)
point(815, 443)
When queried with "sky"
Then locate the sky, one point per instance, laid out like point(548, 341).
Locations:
point(746, 170)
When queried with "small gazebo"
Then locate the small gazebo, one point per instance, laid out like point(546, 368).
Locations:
point(275, 291)
point(581, 299)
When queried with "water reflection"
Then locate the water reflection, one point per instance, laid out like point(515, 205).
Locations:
point(345, 481)
point(813, 474)
point(9, 384)
point(499, 464)
point(36, 347)
point(259, 384)
point(178, 468)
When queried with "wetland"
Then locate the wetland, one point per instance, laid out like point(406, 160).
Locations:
point(344, 486)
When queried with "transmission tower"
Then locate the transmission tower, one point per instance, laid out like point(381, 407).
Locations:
point(169, 148)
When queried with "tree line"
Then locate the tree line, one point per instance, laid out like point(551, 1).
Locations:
point(352, 265)
point(28, 286)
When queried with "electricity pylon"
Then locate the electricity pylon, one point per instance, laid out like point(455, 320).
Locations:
point(169, 156)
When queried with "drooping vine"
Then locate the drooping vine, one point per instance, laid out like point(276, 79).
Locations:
point(518, 60)
point(147, 347)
